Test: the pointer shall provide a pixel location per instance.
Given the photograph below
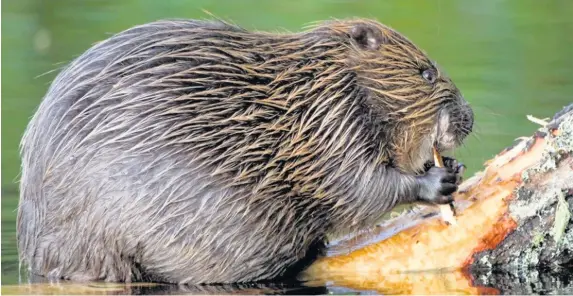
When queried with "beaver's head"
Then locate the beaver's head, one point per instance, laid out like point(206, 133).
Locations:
point(415, 101)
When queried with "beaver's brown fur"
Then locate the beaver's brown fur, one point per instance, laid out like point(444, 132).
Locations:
point(199, 152)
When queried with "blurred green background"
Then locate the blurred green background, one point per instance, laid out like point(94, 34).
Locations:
point(509, 58)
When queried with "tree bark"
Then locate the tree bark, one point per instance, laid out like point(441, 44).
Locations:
point(513, 219)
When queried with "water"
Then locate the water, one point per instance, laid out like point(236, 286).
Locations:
point(509, 58)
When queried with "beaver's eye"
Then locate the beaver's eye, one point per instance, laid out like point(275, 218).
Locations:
point(429, 75)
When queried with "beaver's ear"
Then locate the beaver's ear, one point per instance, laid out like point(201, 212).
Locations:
point(367, 36)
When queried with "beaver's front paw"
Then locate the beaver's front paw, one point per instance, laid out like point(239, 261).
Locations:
point(455, 166)
point(437, 185)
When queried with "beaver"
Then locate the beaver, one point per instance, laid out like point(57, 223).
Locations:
point(197, 151)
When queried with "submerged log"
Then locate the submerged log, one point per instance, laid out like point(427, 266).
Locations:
point(514, 217)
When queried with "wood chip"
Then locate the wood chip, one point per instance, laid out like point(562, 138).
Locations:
point(447, 211)
point(542, 122)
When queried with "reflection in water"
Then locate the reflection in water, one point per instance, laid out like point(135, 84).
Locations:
point(41, 285)
point(527, 282)
point(521, 283)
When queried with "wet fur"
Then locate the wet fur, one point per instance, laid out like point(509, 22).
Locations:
point(199, 152)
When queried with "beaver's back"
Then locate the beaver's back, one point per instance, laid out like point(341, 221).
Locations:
point(162, 151)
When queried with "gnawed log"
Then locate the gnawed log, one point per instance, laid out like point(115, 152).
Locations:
point(513, 216)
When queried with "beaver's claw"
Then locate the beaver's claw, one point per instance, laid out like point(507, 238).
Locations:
point(455, 166)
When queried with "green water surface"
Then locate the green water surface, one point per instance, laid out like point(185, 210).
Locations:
point(509, 58)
